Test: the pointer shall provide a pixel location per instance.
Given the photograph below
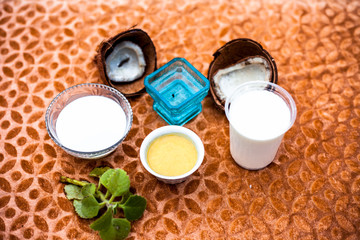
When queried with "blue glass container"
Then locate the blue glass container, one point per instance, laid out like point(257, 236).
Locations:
point(177, 89)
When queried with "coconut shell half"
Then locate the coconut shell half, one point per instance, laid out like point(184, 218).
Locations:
point(142, 39)
point(234, 52)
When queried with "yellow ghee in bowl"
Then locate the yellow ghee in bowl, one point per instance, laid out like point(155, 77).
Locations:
point(171, 155)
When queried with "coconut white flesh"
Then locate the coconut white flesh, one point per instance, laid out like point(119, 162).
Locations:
point(228, 79)
point(125, 63)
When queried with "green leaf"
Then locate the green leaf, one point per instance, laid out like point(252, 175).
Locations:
point(125, 197)
point(73, 192)
point(87, 207)
point(119, 229)
point(134, 207)
point(97, 172)
point(88, 189)
point(103, 222)
point(116, 181)
point(78, 208)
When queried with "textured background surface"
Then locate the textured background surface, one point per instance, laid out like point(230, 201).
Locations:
point(311, 191)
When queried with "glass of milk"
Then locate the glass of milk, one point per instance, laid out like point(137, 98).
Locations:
point(259, 115)
point(89, 120)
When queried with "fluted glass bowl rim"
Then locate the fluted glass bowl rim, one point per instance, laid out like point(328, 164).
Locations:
point(91, 154)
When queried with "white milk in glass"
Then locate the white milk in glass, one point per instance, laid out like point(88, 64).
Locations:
point(91, 123)
point(258, 121)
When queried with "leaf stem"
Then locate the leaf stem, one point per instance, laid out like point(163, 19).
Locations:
point(102, 204)
point(101, 196)
point(64, 179)
point(98, 187)
point(112, 198)
point(107, 194)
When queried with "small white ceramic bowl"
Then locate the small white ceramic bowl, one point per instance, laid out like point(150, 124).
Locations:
point(82, 90)
point(170, 130)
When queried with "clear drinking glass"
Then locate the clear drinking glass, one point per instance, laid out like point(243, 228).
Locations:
point(252, 152)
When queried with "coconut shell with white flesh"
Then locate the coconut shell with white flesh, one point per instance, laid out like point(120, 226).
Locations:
point(125, 63)
point(125, 59)
point(239, 61)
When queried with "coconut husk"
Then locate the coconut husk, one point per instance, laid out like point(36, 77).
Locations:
point(234, 52)
point(142, 39)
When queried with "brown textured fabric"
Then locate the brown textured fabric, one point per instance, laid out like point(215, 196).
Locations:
point(311, 191)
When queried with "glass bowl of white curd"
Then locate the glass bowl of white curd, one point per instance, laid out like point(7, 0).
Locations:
point(172, 153)
point(89, 120)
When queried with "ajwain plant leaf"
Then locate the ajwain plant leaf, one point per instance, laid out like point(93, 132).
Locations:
point(97, 172)
point(134, 207)
point(103, 222)
point(78, 208)
point(116, 181)
point(119, 229)
point(73, 192)
point(125, 197)
point(88, 189)
point(87, 207)
point(88, 199)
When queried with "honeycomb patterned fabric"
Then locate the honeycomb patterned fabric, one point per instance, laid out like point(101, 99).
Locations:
point(310, 191)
